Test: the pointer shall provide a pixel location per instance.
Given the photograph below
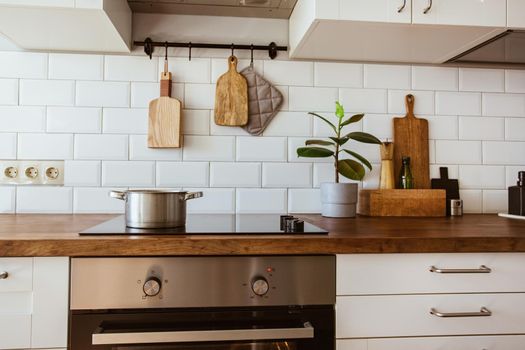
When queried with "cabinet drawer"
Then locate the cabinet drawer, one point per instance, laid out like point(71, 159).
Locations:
point(438, 343)
point(409, 315)
point(410, 273)
point(19, 274)
point(15, 331)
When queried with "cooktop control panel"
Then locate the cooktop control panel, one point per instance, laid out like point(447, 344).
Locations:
point(201, 282)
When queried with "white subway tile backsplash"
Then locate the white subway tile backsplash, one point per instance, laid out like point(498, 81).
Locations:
point(23, 65)
point(45, 146)
point(130, 68)
point(74, 119)
point(82, 173)
point(367, 150)
point(290, 124)
point(209, 148)
point(458, 152)
point(8, 146)
point(22, 119)
point(372, 177)
point(198, 70)
point(458, 103)
point(304, 200)
point(423, 103)
point(143, 93)
point(481, 128)
point(472, 201)
point(322, 129)
point(503, 153)
point(296, 142)
point(434, 78)
point(8, 91)
point(310, 99)
point(47, 92)
point(482, 80)
point(387, 76)
point(285, 91)
point(139, 150)
point(196, 121)
point(182, 174)
point(253, 201)
point(102, 94)
point(495, 201)
point(266, 149)
point(219, 66)
point(96, 200)
point(199, 96)
point(515, 81)
point(221, 130)
point(293, 73)
point(33, 199)
point(74, 66)
point(214, 200)
point(96, 147)
point(235, 175)
point(363, 100)
point(287, 175)
point(338, 74)
point(442, 127)
point(481, 177)
point(7, 199)
point(504, 105)
point(379, 125)
point(514, 129)
point(128, 173)
point(125, 121)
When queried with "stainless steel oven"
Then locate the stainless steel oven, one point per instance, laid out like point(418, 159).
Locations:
point(203, 303)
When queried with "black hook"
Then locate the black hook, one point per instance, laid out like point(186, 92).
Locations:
point(148, 47)
point(272, 50)
point(233, 48)
point(251, 55)
point(166, 53)
point(189, 51)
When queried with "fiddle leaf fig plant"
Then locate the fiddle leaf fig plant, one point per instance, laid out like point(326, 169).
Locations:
point(333, 147)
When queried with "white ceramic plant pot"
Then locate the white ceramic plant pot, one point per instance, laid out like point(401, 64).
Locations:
point(338, 199)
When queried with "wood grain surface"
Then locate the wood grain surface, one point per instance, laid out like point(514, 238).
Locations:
point(411, 140)
point(165, 123)
point(231, 97)
point(57, 235)
point(402, 202)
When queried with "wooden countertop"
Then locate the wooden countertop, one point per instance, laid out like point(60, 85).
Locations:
point(57, 235)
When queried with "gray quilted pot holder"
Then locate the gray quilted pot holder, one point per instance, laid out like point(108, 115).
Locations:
point(264, 101)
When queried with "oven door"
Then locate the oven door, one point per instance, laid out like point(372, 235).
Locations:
point(262, 329)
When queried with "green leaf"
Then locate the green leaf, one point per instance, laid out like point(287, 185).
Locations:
point(324, 119)
point(360, 158)
point(364, 137)
point(353, 119)
point(340, 141)
point(339, 110)
point(314, 152)
point(351, 169)
point(319, 142)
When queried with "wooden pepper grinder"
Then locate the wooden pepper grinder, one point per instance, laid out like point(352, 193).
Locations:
point(387, 179)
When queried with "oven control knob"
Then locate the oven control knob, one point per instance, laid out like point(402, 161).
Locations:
point(152, 287)
point(260, 286)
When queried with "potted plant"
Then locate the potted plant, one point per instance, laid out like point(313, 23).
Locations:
point(339, 199)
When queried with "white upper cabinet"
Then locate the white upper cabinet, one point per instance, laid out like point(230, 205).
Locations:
point(516, 14)
point(489, 13)
point(393, 11)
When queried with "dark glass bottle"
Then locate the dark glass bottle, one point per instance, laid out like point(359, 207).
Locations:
point(517, 196)
point(405, 177)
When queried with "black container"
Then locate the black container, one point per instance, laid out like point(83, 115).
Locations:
point(517, 196)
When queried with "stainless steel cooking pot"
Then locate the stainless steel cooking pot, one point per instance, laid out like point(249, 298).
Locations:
point(155, 208)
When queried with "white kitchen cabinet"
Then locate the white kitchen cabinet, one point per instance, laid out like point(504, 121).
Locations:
point(489, 13)
point(516, 14)
point(394, 11)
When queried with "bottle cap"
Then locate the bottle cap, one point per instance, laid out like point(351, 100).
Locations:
point(405, 160)
point(521, 178)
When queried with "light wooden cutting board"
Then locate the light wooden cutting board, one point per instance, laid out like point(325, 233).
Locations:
point(231, 97)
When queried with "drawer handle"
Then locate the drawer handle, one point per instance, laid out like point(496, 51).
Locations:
point(3, 275)
point(481, 269)
point(428, 8)
point(402, 7)
point(483, 312)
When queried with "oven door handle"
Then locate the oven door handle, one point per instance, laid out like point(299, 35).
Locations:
point(101, 338)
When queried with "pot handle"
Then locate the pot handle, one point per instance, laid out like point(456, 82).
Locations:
point(192, 195)
point(118, 195)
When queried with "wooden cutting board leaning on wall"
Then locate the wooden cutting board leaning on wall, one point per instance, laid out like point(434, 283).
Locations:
point(411, 140)
point(165, 125)
point(231, 97)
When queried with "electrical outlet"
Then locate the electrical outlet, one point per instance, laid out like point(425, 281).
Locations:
point(32, 172)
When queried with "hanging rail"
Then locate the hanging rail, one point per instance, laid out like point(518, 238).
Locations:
point(149, 46)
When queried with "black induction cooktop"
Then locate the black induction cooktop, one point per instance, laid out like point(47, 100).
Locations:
point(208, 224)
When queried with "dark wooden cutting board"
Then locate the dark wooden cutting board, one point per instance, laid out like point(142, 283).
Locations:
point(451, 186)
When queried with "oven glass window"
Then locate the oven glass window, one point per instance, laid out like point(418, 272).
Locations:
point(284, 345)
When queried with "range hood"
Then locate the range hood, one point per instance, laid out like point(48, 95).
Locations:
point(506, 49)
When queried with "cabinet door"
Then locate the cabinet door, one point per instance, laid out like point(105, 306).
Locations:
point(395, 11)
point(449, 343)
point(489, 13)
point(516, 14)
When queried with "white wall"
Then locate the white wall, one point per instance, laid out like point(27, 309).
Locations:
point(91, 110)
